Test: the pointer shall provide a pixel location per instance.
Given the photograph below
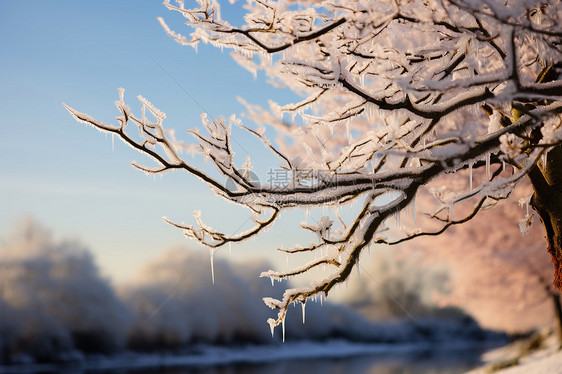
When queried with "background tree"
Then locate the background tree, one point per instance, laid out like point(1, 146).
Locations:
point(408, 81)
point(501, 278)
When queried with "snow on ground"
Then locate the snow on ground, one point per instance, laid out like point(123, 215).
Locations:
point(538, 354)
point(548, 364)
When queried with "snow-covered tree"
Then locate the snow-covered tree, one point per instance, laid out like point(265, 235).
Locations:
point(421, 89)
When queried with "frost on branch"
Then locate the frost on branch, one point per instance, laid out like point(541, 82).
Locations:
point(395, 95)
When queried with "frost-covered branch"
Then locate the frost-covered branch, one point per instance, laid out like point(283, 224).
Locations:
point(396, 95)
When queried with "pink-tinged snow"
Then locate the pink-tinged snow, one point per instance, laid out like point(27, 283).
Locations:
point(551, 364)
point(548, 364)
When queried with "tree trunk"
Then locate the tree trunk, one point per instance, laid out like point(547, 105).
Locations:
point(546, 178)
point(557, 314)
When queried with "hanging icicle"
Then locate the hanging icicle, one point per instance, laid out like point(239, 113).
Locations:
point(272, 326)
point(470, 174)
point(211, 253)
point(488, 166)
point(414, 210)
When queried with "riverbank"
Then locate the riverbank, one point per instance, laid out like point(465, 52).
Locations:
point(538, 353)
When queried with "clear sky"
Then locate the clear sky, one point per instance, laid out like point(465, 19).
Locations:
point(73, 179)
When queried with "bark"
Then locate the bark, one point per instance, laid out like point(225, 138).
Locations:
point(546, 179)
point(557, 314)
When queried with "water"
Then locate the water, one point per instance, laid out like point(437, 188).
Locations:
point(322, 358)
point(421, 363)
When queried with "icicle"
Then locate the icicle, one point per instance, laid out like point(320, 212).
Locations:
point(397, 218)
point(283, 325)
point(414, 209)
point(322, 298)
point(306, 213)
point(503, 166)
point(470, 174)
point(544, 158)
point(271, 322)
point(488, 166)
point(272, 280)
point(303, 311)
point(452, 210)
point(112, 143)
point(348, 131)
point(212, 265)
point(230, 248)
point(358, 271)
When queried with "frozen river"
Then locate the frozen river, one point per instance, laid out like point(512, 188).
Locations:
point(335, 357)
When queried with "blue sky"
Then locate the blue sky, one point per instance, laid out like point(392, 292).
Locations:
point(70, 177)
